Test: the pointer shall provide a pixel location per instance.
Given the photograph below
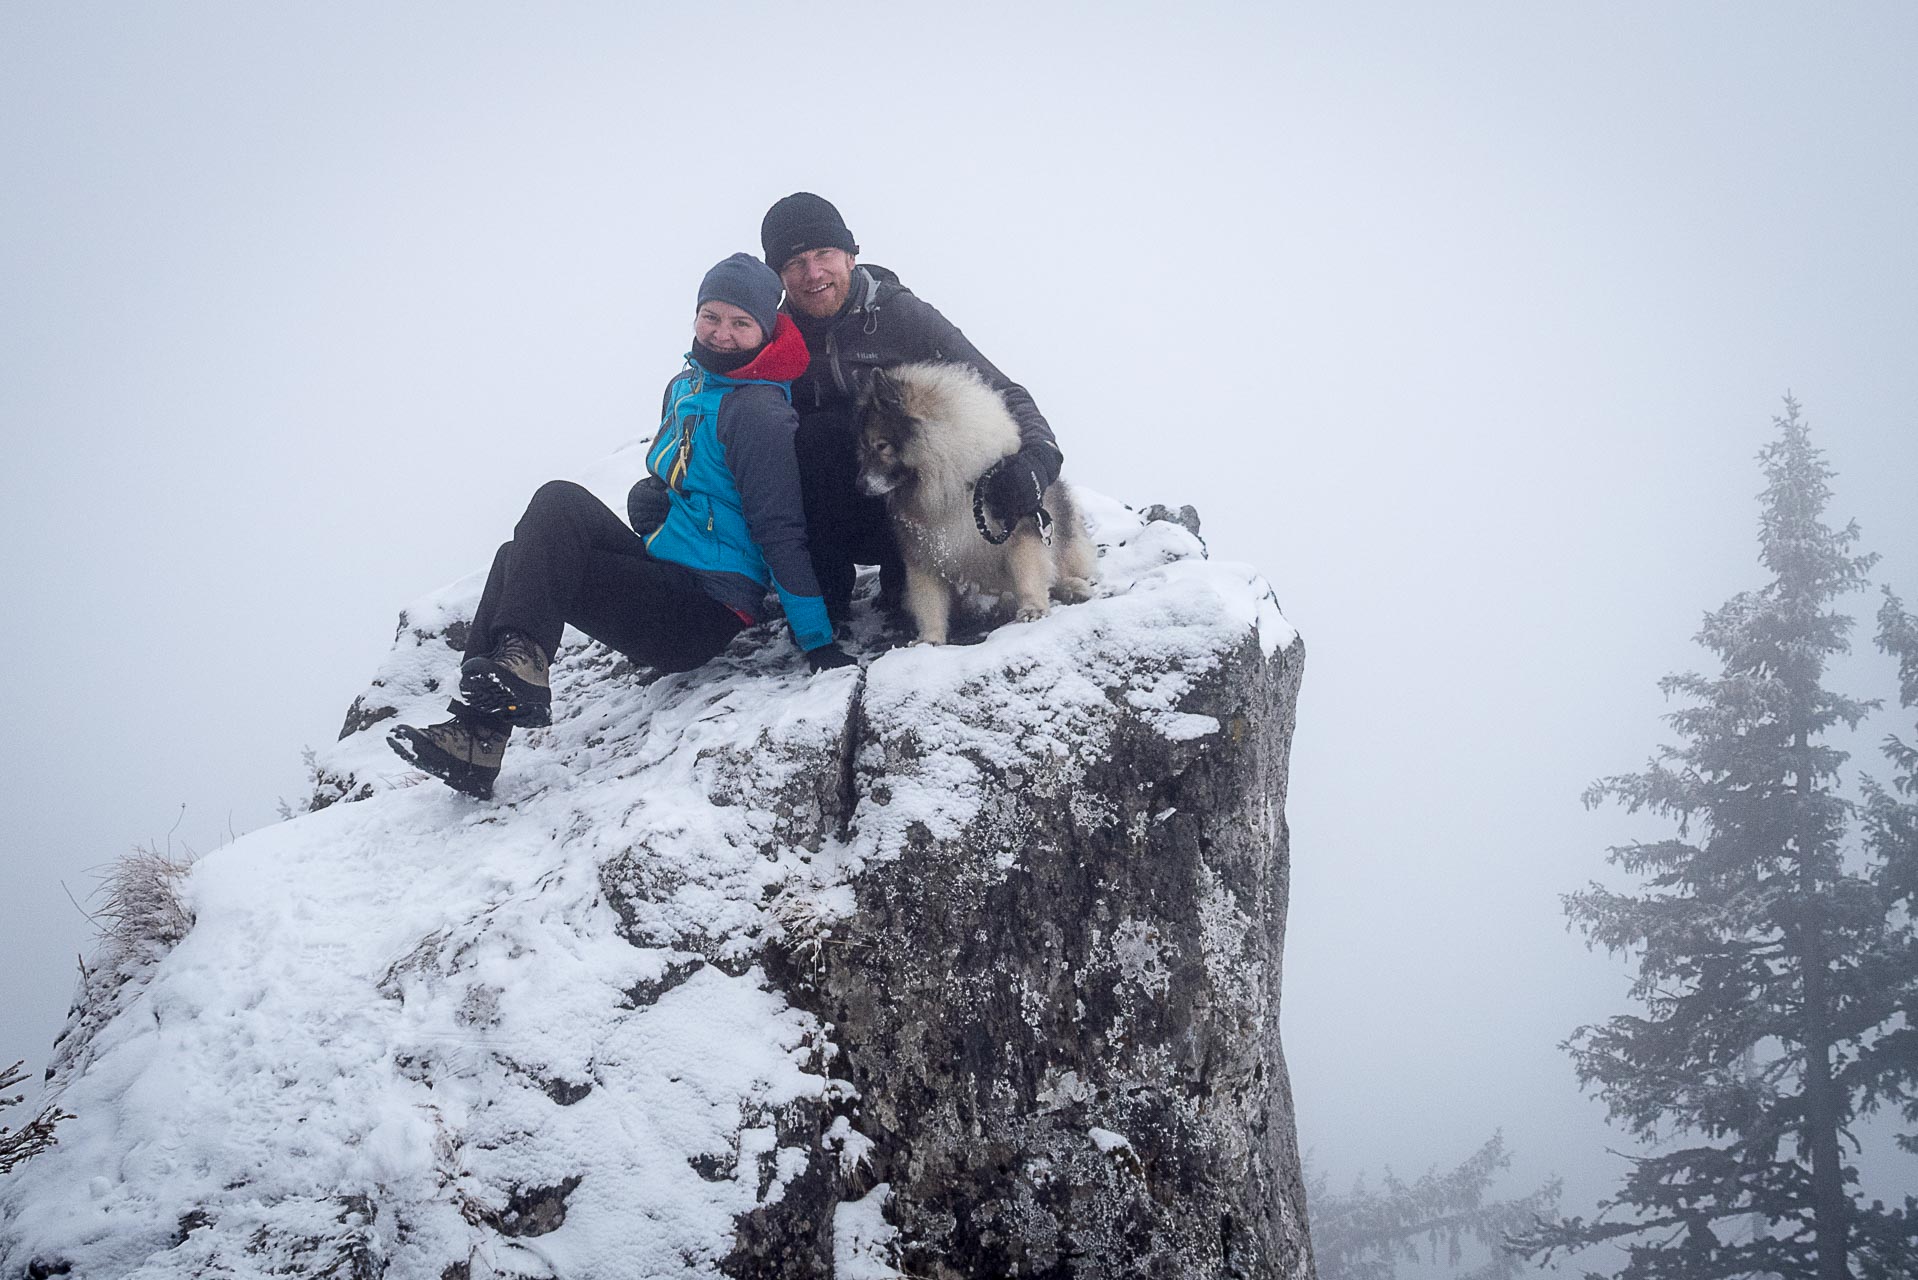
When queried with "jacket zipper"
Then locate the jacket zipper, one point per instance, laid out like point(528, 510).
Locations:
point(832, 340)
point(832, 357)
point(683, 458)
point(682, 453)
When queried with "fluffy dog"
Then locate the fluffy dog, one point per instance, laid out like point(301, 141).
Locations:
point(928, 432)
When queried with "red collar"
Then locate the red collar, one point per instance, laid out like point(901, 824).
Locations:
point(782, 359)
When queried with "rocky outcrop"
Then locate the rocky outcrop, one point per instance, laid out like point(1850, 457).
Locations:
point(1060, 1006)
point(964, 964)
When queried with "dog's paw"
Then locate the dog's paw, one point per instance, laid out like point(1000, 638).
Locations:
point(1072, 590)
point(926, 640)
point(1030, 613)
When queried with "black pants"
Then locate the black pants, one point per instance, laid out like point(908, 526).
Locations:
point(843, 526)
point(573, 561)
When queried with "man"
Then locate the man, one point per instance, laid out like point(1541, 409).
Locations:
point(856, 319)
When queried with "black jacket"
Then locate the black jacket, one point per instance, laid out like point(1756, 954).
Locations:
point(884, 324)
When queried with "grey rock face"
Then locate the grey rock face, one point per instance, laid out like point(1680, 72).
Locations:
point(1062, 1017)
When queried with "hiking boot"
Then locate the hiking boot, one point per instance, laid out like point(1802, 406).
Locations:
point(509, 683)
point(462, 752)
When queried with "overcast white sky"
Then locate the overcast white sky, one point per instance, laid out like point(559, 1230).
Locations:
point(1463, 322)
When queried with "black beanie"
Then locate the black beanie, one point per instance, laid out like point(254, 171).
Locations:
point(800, 222)
point(744, 281)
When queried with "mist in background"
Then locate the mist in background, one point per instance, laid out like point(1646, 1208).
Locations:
point(1462, 323)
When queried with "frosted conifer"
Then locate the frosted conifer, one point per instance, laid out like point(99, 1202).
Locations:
point(1777, 976)
point(1367, 1233)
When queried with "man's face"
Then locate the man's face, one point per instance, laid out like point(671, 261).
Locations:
point(817, 281)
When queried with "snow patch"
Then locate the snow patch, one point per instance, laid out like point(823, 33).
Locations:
point(854, 1147)
point(862, 1239)
point(1181, 726)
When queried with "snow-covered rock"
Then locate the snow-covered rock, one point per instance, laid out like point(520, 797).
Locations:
point(966, 963)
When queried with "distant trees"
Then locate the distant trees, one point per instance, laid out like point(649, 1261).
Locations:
point(1777, 964)
point(1366, 1233)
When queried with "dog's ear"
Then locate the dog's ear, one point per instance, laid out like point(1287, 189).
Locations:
point(885, 392)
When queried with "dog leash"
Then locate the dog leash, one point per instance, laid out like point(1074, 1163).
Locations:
point(1043, 516)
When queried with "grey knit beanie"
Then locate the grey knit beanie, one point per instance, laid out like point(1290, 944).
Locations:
point(748, 284)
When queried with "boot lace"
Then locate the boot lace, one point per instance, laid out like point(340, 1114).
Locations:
point(516, 650)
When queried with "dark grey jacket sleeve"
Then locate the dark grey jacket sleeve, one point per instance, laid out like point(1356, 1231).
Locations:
point(943, 341)
point(755, 428)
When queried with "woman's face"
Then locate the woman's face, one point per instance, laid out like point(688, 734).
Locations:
point(724, 327)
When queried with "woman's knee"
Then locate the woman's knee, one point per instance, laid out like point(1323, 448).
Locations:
point(555, 499)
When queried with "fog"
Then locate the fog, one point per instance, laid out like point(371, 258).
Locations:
point(1463, 323)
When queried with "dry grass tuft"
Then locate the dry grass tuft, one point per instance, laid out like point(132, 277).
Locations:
point(141, 914)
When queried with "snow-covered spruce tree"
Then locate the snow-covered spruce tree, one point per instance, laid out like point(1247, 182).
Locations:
point(1776, 975)
point(1366, 1233)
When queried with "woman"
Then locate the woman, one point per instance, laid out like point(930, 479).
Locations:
point(722, 521)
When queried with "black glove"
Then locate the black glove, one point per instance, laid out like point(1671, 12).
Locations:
point(1015, 489)
point(829, 657)
point(647, 505)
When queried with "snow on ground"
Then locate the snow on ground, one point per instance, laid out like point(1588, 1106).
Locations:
point(429, 1002)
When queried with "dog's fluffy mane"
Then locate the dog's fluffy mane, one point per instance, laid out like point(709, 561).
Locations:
point(928, 433)
point(965, 425)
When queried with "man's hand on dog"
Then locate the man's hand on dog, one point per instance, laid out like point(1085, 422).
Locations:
point(1015, 490)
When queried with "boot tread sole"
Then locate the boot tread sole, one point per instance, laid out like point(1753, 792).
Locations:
point(414, 747)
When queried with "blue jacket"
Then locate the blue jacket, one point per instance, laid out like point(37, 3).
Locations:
point(725, 453)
